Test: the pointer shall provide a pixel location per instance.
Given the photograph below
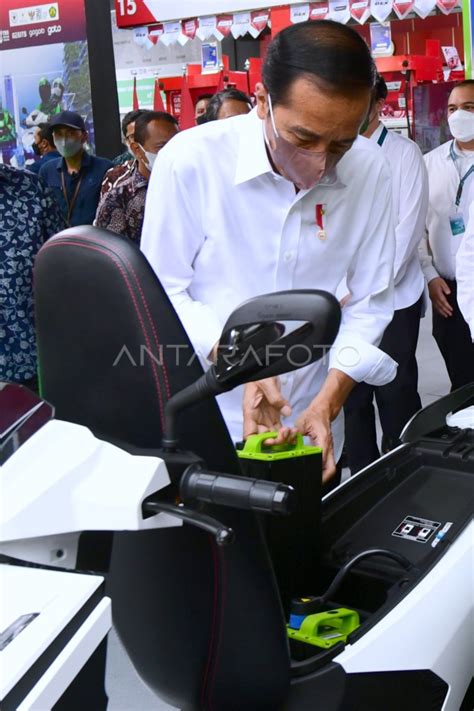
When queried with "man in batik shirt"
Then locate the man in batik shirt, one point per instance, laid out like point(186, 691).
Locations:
point(122, 209)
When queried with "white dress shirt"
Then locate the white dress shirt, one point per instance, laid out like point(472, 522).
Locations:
point(410, 205)
point(465, 271)
point(221, 227)
point(438, 249)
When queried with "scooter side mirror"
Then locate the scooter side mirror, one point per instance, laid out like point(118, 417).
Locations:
point(264, 337)
point(274, 334)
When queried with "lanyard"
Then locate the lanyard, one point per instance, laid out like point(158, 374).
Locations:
point(382, 136)
point(70, 203)
point(462, 180)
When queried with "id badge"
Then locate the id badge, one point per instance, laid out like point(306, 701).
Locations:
point(456, 221)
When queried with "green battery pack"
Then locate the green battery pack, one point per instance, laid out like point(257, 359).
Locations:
point(294, 540)
point(326, 629)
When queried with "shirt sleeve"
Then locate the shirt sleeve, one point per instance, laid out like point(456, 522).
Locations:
point(172, 237)
point(110, 214)
point(53, 220)
point(370, 307)
point(411, 219)
point(465, 273)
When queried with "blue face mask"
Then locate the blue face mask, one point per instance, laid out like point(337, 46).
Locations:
point(67, 147)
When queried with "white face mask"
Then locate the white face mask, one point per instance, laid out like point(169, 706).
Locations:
point(150, 158)
point(461, 125)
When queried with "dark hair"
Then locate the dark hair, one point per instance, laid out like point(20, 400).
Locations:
point(203, 97)
point(330, 53)
point(45, 133)
point(141, 124)
point(218, 99)
point(466, 82)
point(130, 118)
point(380, 88)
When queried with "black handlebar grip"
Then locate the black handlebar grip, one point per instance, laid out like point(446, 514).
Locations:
point(236, 491)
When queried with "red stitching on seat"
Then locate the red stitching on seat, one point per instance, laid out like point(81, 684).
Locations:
point(59, 242)
point(145, 304)
point(213, 623)
point(221, 558)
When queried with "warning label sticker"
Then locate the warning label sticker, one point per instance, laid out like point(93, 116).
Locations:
point(416, 529)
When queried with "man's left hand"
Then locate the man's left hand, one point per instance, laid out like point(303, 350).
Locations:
point(315, 422)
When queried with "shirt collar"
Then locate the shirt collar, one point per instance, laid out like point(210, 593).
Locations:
point(377, 133)
point(253, 160)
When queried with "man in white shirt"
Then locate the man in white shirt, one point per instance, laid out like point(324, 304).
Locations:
point(255, 205)
point(398, 401)
point(451, 179)
point(465, 272)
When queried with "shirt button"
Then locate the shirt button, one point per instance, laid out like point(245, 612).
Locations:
point(288, 256)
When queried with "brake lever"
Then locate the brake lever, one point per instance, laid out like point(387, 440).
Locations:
point(223, 534)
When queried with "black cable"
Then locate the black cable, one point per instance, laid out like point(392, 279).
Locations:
point(397, 557)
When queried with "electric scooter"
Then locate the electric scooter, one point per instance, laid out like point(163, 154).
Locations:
point(383, 619)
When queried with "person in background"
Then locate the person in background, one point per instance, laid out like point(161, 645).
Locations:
point(227, 103)
point(277, 200)
point(201, 106)
point(451, 182)
point(465, 274)
point(29, 215)
point(397, 401)
point(121, 210)
point(43, 147)
point(76, 178)
point(123, 164)
point(465, 268)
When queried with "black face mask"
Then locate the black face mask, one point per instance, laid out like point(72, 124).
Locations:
point(36, 149)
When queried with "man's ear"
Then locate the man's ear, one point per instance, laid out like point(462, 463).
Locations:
point(136, 150)
point(261, 100)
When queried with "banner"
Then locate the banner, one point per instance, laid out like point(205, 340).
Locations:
point(446, 6)
point(339, 11)
point(299, 13)
point(319, 10)
point(224, 24)
point(360, 10)
point(29, 23)
point(424, 7)
point(402, 8)
point(381, 9)
point(259, 21)
point(45, 70)
point(241, 24)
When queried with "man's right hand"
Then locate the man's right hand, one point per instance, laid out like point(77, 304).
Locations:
point(438, 290)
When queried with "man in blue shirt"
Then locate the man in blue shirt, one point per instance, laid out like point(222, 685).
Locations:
point(77, 176)
point(43, 146)
point(29, 215)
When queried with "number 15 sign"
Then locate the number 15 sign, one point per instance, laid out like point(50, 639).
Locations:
point(133, 13)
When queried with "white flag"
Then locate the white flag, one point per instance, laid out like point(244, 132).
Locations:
point(381, 9)
point(339, 11)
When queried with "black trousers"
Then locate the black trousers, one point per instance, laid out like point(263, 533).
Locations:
point(454, 341)
point(397, 402)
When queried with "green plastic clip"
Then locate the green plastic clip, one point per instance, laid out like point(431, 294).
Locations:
point(255, 449)
point(325, 629)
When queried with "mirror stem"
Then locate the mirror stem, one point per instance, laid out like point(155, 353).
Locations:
point(203, 388)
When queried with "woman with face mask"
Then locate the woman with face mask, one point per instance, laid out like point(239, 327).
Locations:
point(77, 176)
point(451, 183)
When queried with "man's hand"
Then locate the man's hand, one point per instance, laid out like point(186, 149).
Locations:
point(315, 422)
point(263, 407)
point(438, 290)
